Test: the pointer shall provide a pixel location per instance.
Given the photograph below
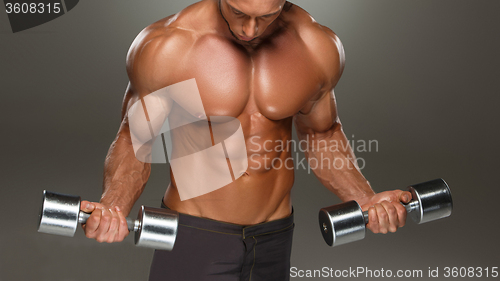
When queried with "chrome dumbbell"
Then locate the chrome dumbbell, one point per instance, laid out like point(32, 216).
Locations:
point(154, 228)
point(344, 223)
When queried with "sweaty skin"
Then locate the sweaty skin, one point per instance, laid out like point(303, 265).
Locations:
point(266, 63)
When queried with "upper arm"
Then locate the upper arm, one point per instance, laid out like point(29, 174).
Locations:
point(153, 62)
point(319, 116)
point(322, 118)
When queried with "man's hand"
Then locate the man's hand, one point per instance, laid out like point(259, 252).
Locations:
point(385, 213)
point(104, 224)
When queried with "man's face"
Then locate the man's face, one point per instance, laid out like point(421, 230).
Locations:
point(248, 19)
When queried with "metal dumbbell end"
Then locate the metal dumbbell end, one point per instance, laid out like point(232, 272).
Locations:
point(154, 228)
point(344, 223)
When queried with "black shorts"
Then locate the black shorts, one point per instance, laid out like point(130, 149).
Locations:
point(207, 249)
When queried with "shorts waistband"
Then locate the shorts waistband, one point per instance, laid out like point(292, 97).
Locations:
point(235, 229)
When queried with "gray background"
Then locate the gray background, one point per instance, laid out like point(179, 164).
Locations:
point(420, 79)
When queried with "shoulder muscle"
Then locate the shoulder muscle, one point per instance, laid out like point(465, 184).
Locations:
point(324, 45)
point(155, 57)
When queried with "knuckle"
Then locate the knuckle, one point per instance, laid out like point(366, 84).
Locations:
point(93, 219)
point(382, 216)
point(105, 219)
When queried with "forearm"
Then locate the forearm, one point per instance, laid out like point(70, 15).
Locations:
point(332, 160)
point(124, 176)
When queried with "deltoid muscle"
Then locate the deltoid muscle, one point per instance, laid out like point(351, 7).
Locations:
point(205, 153)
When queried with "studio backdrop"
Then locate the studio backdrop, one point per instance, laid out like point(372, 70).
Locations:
point(418, 100)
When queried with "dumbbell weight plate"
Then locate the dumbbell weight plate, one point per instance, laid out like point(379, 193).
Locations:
point(59, 214)
point(158, 228)
point(434, 198)
point(342, 223)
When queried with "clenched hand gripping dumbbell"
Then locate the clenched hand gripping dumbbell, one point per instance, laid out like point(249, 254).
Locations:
point(344, 223)
point(154, 228)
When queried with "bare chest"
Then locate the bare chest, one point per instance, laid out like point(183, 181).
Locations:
point(276, 81)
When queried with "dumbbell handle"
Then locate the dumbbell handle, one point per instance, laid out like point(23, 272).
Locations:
point(412, 206)
point(133, 225)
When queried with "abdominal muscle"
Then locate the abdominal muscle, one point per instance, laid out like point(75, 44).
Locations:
point(261, 194)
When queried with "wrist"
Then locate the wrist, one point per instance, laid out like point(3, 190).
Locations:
point(111, 204)
point(365, 199)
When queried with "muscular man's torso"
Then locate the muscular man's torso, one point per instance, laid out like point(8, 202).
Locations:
point(263, 87)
